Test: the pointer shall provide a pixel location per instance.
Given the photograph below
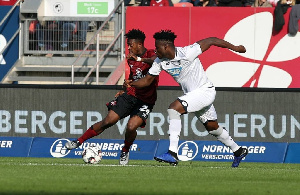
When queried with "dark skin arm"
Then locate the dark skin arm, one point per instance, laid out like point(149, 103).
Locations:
point(206, 43)
point(143, 82)
point(146, 60)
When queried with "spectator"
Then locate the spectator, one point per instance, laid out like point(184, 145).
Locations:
point(206, 3)
point(126, 2)
point(145, 3)
point(70, 28)
point(261, 3)
point(273, 2)
point(230, 3)
point(289, 2)
point(148, 3)
point(294, 19)
point(175, 1)
point(194, 2)
point(280, 10)
point(45, 32)
point(159, 3)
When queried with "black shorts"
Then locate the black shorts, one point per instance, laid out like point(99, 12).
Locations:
point(125, 105)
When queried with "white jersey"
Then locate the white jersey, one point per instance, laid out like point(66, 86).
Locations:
point(185, 68)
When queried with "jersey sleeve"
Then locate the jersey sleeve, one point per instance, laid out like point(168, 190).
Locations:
point(192, 51)
point(155, 68)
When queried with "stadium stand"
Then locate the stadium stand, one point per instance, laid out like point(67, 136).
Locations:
point(51, 64)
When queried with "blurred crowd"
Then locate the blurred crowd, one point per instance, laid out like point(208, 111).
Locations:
point(204, 3)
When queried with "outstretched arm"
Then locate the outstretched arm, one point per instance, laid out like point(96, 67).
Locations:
point(139, 59)
point(206, 43)
point(143, 82)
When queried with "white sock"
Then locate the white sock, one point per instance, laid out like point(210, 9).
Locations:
point(174, 133)
point(223, 136)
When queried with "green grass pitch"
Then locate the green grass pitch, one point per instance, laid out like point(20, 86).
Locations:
point(72, 176)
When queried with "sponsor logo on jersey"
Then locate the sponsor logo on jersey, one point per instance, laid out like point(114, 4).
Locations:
point(138, 74)
point(174, 71)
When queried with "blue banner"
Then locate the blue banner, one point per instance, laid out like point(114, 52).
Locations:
point(216, 151)
point(292, 154)
point(7, 30)
point(15, 146)
point(53, 147)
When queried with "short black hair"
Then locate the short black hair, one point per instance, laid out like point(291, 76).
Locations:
point(136, 34)
point(165, 35)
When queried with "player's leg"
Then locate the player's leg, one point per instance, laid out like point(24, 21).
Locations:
point(96, 129)
point(130, 135)
point(175, 110)
point(223, 136)
point(138, 118)
point(118, 109)
point(190, 102)
point(208, 117)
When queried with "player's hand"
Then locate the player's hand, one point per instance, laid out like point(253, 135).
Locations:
point(240, 49)
point(119, 93)
point(126, 83)
point(131, 56)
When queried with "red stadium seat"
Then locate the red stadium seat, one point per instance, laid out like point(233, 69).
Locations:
point(183, 4)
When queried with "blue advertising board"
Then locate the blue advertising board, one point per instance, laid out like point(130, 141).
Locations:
point(147, 149)
point(15, 146)
point(7, 30)
point(292, 154)
point(53, 147)
point(216, 151)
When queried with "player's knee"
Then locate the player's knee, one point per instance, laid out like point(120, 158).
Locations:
point(173, 114)
point(211, 125)
point(179, 106)
point(131, 127)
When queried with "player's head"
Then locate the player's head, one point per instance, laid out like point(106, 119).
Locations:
point(135, 40)
point(164, 41)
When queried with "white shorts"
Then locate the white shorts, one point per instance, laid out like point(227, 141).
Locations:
point(200, 101)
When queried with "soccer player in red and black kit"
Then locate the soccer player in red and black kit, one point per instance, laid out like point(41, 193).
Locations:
point(138, 103)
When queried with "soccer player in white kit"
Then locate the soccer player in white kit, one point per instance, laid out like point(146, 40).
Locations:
point(199, 93)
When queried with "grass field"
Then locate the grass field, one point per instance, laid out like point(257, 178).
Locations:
point(72, 176)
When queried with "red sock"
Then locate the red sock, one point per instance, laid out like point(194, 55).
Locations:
point(126, 146)
point(87, 135)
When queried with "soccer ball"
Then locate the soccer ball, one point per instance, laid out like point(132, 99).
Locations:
point(92, 155)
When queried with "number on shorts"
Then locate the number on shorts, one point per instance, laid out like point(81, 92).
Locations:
point(145, 109)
